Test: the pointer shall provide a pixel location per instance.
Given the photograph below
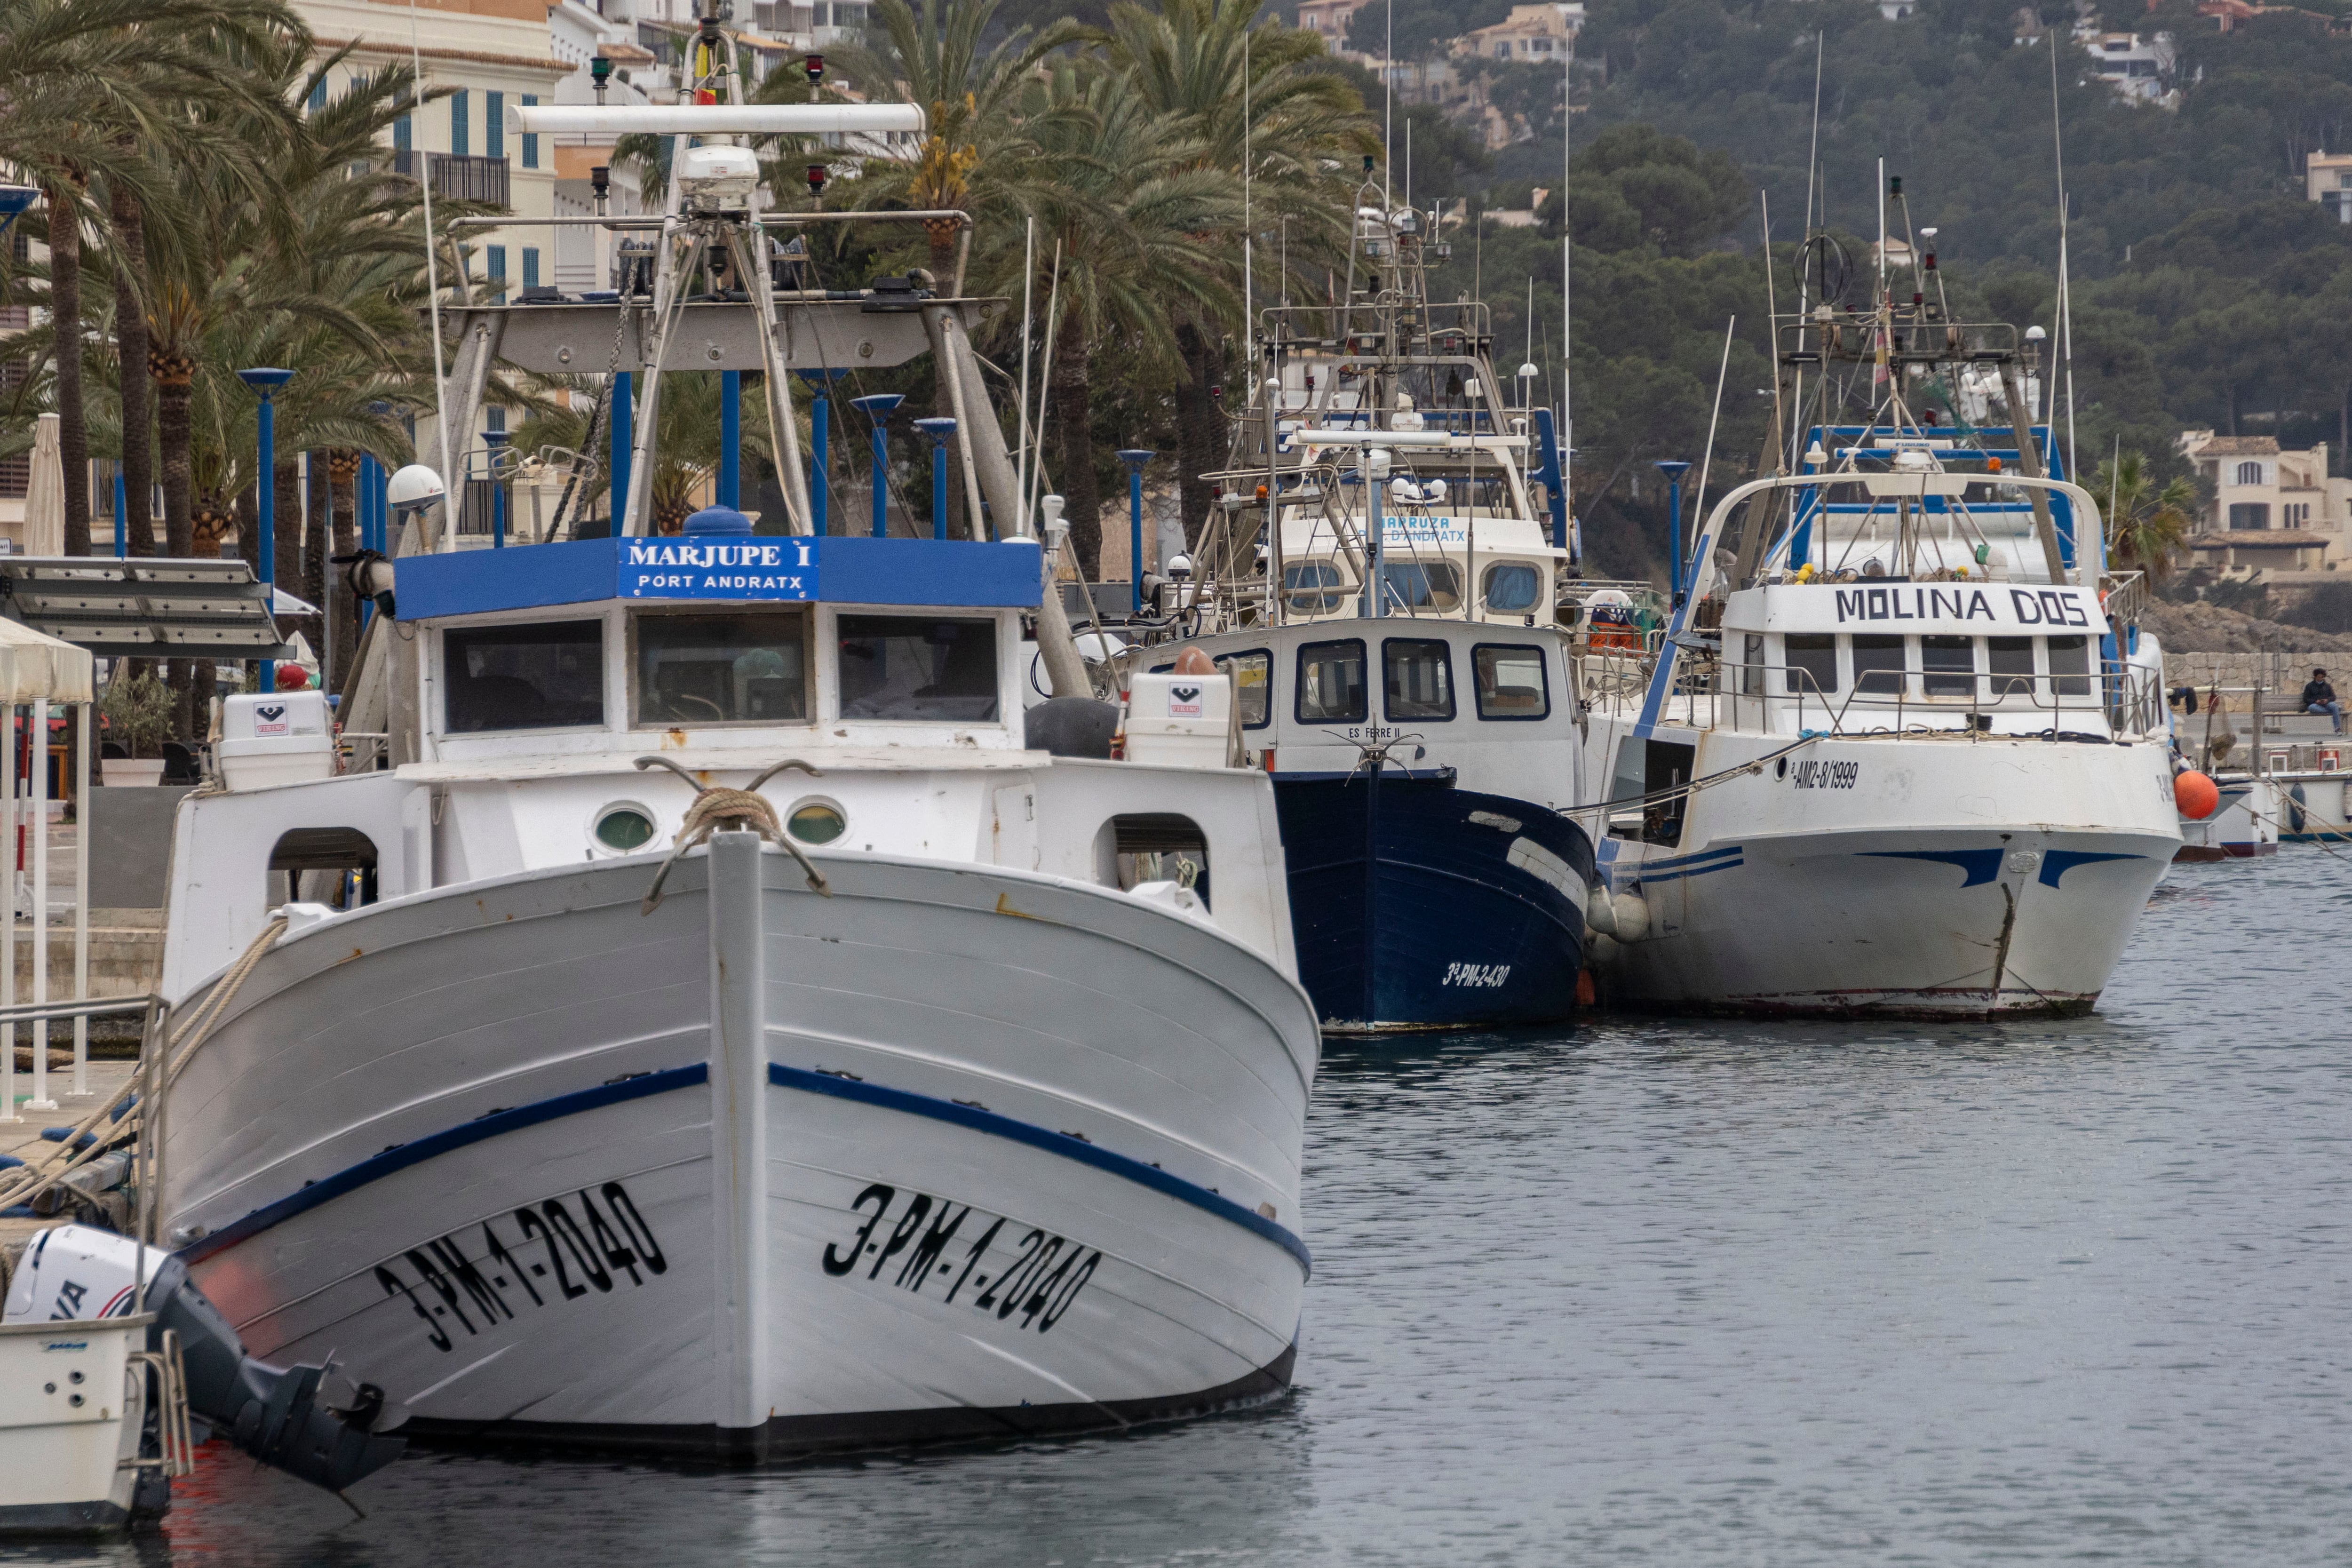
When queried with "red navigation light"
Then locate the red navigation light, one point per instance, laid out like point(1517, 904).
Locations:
point(815, 64)
point(817, 179)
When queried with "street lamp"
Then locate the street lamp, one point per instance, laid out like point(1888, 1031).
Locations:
point(876, 409)
point(939, 427)
point(266, 381)
point(496, 440)
point(1134, 459)
point(1675, 471)
point(821, 447)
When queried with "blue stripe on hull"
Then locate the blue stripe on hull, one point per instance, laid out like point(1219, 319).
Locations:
point(402, 1156)
point(1408, 914)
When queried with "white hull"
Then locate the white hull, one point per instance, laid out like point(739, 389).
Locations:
point(1926, 879)
point(959, 1152)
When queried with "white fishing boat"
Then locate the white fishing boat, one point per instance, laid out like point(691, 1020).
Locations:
point(719, 1032)
point(1899, 749)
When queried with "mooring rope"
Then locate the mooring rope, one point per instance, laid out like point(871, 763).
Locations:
point(29, 1180)
point(746, 809)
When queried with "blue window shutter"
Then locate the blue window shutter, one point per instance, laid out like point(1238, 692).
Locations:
point(318, 92)
point(459, 141)
point(400, 134)
point(499, 271)
point(531, 266)
point(497, 419)
point(494, 124)
point(530, 141)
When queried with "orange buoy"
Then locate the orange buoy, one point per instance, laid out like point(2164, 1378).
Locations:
point(1192, 662)
point(2197, 795)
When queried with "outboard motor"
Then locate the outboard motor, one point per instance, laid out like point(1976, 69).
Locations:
point(275, 1414)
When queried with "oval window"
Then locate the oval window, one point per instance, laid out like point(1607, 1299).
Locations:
point(816, 822)
point(623, 828)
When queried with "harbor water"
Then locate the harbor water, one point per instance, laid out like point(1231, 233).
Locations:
point(1665, 1291)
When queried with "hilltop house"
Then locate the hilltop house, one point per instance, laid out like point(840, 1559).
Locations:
point(1328, 20)
point(2273, 512)
point(1539, 34)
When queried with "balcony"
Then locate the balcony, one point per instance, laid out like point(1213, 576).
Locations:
point(482, 180)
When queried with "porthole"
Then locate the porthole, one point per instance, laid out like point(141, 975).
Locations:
point(623, 828)
point(816, 822)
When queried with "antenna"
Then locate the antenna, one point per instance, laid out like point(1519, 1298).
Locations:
point(1249, 282)
point(1388, 112)
point(1028, 331)
point(2065, 290)
point(1567, 293)
point(432, 267)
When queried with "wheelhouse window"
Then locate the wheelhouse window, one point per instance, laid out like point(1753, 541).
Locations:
point(2009, 660)
point(1513, 681)
point(1418, 678)
point(2070, 666)
point(1331, 682)
point(1414, 585)
point(549, 674)
point(1512, 586)
point(1251, 672)
point(1751, 666)
point(1878, 665)
point(1813, 662)
point(740, 667)
point(1313, 585)
point(925, 667)
point(1948, 666)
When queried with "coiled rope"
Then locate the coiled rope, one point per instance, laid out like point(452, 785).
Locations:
point(746, 809)
point(29, 1180)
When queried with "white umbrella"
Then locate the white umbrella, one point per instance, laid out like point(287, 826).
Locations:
point(45, 500)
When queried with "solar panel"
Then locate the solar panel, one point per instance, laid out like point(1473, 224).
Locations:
point(151, 608)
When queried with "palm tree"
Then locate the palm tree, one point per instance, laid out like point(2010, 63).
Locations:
point(976, 142)
point(1133, 207)
point(2147, 523)
point(89, 91)
point(1288, 129)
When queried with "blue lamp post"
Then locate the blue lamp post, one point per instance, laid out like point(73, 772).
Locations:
point(878, 409)
point(1674, 472)
point(496, 440)
point(939, 427)
point(820, 445)
point(623, 418)
point(266, 381)
point(731, 438)
point(1134, 459)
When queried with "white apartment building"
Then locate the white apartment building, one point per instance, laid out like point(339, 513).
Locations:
point(2138, 66)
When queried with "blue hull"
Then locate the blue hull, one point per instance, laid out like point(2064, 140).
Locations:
point(1408, 914)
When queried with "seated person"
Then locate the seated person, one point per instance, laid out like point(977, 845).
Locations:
point(2320, 696)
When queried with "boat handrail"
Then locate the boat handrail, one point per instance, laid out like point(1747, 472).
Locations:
point(2127, 699)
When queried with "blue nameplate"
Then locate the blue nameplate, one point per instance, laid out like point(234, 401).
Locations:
point(740, 568)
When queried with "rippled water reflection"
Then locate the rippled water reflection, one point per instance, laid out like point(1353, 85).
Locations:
point(1667, 1291)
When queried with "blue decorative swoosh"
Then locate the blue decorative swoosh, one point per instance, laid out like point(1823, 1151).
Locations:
point(2056, 863)
point(401, 1156)
point(1981, 865)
